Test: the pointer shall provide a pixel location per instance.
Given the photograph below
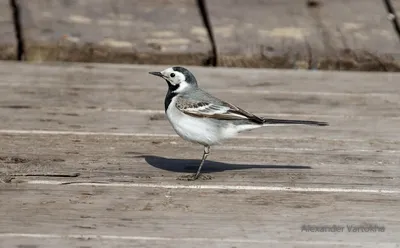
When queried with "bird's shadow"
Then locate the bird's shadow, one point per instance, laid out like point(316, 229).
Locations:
point(191, 165)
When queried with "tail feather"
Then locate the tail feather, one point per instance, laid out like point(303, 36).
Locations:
point(300, 122)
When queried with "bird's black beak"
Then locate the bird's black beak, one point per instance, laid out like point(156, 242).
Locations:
point(156, 73)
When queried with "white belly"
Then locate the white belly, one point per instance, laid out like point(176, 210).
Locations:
point(205, 131)
point(198, 130)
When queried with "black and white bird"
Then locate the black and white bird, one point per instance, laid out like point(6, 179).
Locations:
point(201, 118)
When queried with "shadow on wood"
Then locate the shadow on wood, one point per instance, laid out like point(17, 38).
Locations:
point(191, 165)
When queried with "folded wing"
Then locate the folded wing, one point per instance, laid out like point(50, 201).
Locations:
point(221, 111)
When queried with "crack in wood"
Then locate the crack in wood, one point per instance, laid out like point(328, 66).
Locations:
point(392, 16)
point(19, 34)
point(213, 60)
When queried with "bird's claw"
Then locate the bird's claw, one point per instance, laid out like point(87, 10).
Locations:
point(193, 177)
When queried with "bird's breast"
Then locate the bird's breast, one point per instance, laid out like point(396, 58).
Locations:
point(198, 130)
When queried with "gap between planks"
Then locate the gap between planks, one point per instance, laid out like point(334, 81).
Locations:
point(217, 187)
point(221, 148)
point(181, 239)
point(154, 111)
point(88, 133)
point(233, 91)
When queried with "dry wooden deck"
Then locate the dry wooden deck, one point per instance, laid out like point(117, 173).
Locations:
point(103, 128)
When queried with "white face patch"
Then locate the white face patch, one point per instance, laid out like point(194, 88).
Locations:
point(174, 77)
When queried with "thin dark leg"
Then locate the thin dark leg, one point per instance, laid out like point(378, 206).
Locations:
point(205, 154)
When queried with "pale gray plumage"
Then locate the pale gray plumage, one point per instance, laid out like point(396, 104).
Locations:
point(199, 117)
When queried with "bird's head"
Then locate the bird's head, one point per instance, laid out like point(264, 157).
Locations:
point(179, 79)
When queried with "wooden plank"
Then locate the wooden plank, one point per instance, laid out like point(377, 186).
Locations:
point(136, 76)
point(102, 99)
point(335, 29)
point(8, 43)
point(283, 101)
point(127, 99)
point(155, 123)
point(187, 214)
point(271, 91)
point(254, 162)
point(113, 31)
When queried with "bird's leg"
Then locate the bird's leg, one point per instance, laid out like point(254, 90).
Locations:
point(205, 154)
point(195, 176)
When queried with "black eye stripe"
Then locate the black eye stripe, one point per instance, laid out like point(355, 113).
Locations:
point(172, 75)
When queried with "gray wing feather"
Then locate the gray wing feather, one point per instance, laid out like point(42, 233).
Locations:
point(201, 104)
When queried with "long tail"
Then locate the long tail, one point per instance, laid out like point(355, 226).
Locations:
point(301, 122)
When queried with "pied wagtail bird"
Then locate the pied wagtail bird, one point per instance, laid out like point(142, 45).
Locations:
point(201, 118)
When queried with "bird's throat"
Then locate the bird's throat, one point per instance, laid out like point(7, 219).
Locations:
point(170, 94)
point(172, 87)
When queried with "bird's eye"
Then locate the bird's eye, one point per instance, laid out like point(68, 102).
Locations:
point(172, 75)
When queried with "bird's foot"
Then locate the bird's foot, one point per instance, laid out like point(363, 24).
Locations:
point(192, 177)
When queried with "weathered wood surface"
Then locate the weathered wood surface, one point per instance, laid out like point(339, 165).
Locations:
point(59, 30)
point(106, 123)
point(328, 27)
point(268, 33)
